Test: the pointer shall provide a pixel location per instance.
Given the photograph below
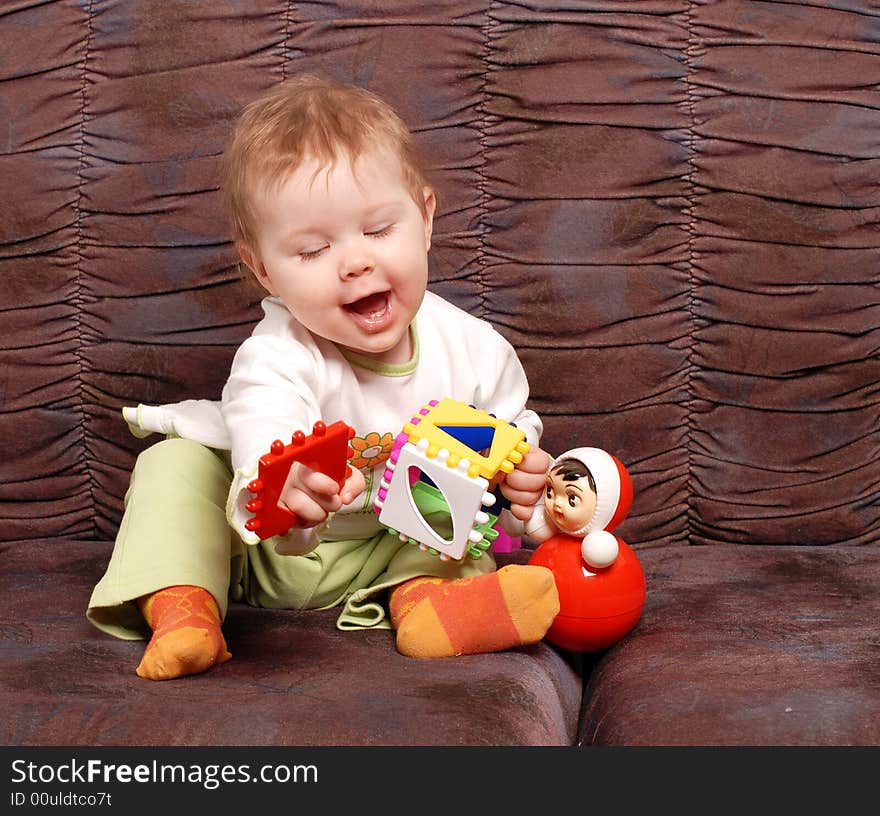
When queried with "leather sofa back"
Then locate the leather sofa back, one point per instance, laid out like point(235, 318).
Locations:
point(670, 208)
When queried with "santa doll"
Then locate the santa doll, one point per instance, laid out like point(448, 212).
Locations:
point(600, 580)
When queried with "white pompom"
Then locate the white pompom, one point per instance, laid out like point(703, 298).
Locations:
point(599, 549)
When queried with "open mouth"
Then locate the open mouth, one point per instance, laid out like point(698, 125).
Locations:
point(372, 312)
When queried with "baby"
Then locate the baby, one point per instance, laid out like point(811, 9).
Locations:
point(332, 216)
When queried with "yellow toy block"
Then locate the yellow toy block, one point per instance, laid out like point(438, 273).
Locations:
point(506, 450)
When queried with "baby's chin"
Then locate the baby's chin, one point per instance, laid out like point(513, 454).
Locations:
point(394, 351)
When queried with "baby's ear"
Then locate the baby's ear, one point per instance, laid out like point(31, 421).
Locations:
point(430, 207)
point(252, 261)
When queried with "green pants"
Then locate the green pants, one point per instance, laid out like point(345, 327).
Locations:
point(174, 531)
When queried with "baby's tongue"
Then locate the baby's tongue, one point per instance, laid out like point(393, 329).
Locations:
point(369, 305)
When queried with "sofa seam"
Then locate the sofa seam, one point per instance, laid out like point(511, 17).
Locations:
point(78, 298)
point(690, 263)
point(482, 182)
point(288, 16)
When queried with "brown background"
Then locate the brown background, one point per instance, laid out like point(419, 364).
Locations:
point(670, 208)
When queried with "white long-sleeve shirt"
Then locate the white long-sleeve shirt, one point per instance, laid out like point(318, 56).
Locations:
point(284, 379)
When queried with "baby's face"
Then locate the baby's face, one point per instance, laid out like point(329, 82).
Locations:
point(346, 250)
point(570, 504)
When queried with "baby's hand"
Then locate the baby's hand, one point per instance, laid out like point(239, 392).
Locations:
point(524, 487)
point(313, 495)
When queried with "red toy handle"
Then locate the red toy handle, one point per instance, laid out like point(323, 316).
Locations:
point(325, 450)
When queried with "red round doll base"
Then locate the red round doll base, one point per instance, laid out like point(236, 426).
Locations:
point(597, 607)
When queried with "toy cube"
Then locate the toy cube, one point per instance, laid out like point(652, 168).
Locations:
point(444, 443)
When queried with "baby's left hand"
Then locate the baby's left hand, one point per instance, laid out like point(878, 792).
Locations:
point(524, 487)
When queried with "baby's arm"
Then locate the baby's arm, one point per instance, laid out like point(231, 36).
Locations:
point(271, 393)
point(505, 391)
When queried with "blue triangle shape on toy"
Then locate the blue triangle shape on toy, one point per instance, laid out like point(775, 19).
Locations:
point(476, 437)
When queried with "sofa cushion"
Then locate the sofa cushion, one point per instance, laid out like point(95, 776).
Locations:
point(745, 646)
point(294, 678)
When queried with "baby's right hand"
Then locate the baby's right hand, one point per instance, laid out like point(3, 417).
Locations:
point(312, 495)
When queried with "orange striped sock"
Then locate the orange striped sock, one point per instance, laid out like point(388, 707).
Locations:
point(186, 633)
point(442, 617)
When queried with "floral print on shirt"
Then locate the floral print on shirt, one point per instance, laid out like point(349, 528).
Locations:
point(371, 450)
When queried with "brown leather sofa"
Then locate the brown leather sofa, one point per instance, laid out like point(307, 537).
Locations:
point(670, 208)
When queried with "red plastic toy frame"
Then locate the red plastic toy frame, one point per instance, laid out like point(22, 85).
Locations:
point(325, 450)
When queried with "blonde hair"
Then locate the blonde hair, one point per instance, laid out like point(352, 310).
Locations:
point(309, 117)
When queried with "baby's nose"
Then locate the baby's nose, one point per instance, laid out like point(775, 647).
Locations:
point(358, 261)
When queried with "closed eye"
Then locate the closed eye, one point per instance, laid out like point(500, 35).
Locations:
point(381, 232)
point(310, 254)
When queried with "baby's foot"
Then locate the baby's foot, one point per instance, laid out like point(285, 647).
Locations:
point(440, 617)
point(187, 638)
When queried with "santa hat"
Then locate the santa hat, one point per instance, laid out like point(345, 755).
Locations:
point(614, 495)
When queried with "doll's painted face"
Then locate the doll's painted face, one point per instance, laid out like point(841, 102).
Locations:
point(570, 495)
